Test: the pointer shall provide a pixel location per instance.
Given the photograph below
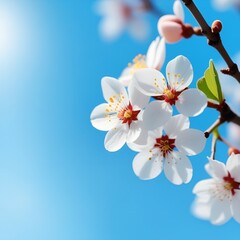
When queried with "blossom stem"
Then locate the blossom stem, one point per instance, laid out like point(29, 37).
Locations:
point(213, 146)
point(214, 40)
point(215, 125)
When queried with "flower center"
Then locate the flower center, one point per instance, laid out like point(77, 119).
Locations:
point(165, 144)
point(230, 184)
point(139, 62)
point(170, 95)
point(128, 115)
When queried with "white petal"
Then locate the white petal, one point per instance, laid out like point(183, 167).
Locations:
point(156, 53)
point(201, 208)
point(204, 187)
point(147, 165)
point(134, 131)
point(151, 52)
point(220, 211)
point(114, 92)
point(103, 120)
point(217, 169)
point(178, 9)
point(126, 76)
point(141, 143)
point(136, 97)
point(149, 81)
point(176, 124)
point(160, 54)
point(116, 138)
point(233, 166)
point(191, 102)
point(236, 206)
point(177, 168)
point(155, 115)
point(190, 141)
point(179, 73)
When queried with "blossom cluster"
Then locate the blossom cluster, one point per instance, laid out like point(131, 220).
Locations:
point(150, 112)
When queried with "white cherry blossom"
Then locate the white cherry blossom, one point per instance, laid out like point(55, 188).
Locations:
point(123, 113)
point(120, 15)
point(167, 149)
point(174, 91)
point(154, 59)
point(218, 198)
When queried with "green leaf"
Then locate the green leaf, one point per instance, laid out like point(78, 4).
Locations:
point(210, 85)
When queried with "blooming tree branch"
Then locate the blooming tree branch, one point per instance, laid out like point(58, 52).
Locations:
point(214, 40)
point(139, 111)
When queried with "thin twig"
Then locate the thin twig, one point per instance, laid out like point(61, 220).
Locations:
point(226, 113)
point(213, 146)
point(214, 40)
point(215, 125)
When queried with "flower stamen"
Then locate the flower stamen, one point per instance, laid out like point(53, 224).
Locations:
point(128, 115)
point(165, 144)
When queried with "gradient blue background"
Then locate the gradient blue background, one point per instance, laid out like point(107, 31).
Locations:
point(57, 182)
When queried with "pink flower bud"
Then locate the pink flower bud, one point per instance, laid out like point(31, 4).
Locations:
point(170, 27)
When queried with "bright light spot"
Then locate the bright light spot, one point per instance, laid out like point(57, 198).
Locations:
point(13, 32)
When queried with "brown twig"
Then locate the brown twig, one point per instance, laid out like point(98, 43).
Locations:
point(214, 40)
point(226, 115)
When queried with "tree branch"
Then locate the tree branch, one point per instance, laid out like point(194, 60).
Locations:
point(214, 40)
point(226, 115)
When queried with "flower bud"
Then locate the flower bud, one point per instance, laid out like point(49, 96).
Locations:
point(170, 27)
point(216, 26)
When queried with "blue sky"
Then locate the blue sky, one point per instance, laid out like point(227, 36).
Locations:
point(57, 182)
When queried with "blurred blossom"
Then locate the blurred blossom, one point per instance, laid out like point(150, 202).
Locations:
point(225, 4)
point(231, 90)
point(120, 15)
point(154, 59)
